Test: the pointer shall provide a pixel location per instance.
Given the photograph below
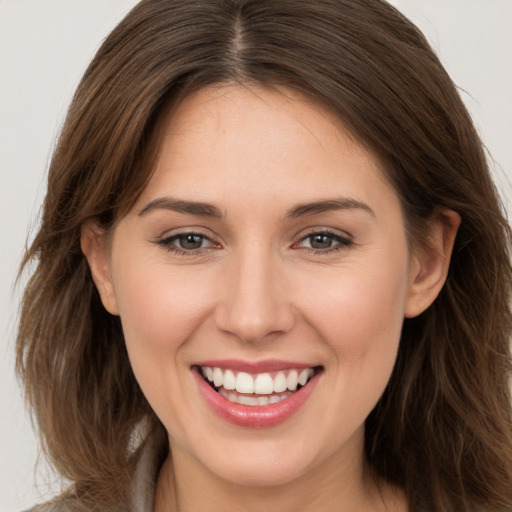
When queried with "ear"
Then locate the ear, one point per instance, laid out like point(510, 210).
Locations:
point(95, 246)
point(430, 263)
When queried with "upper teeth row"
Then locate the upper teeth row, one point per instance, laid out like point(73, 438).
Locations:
point(261, 383)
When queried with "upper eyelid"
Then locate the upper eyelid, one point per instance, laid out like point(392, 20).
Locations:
point(186, 233)
point(324, 231)
point(172, 239)
point(341, 240)
point(175, 232)
point(169, 237)
point(169, 244)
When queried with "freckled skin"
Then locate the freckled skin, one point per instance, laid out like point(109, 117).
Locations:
point(257, 289)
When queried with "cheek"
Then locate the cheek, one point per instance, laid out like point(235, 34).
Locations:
point(361, 324)
point(160, 310)
point(160, 307)
point(369, 305)
point(360, 319)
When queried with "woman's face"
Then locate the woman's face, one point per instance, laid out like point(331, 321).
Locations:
point(266, 248)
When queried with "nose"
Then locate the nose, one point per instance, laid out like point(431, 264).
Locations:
point(255, 304)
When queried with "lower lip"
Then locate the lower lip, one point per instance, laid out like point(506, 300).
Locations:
point(257, 416)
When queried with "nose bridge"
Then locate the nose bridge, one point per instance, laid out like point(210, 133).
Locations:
point(255, 303)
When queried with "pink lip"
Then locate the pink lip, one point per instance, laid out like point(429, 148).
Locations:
point(269, 365)
point(258, 416)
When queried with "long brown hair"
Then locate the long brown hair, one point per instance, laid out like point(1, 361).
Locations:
point(443, 428)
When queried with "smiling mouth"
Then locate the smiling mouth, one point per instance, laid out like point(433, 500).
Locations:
point(257, 389)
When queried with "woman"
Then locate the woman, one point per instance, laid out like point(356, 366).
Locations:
point(272, 271)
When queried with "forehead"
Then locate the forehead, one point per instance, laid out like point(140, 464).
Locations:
point(230, 141)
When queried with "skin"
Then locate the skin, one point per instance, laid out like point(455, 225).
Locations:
point(256, 289)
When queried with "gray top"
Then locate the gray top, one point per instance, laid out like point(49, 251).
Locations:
point(143, 493)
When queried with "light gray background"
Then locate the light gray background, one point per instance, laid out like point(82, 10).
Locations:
point(45, 45)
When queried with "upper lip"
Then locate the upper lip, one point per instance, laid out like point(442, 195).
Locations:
point(267, 365)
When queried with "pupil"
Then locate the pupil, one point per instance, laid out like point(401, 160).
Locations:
point(191, 241)
point(321, 241)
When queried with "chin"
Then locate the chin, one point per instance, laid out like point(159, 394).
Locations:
point(262, 462)
point(268, 473)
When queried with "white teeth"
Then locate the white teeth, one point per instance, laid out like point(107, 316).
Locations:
point(252, 400)
point(292, 380)
point(218, 377)
point(229, 380)
point(303, 377)
point(244, 383)
point(260, 384)
point(264, 384)
point(248, 400)
point(280, 383)
point(263, 400)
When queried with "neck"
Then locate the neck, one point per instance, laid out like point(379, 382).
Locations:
point(184, 485)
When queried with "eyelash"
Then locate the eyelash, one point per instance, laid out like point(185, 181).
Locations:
point(168, 245)
point(341, 242)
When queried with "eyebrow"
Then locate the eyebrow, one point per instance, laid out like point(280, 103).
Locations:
point(318, 207)
point(190, 207)
point(208, 210)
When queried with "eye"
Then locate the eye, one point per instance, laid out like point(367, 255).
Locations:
point(324, 241)
point(320, 241)
point(190, 241)
point(186, 243)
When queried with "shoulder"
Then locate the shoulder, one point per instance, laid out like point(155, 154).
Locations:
point(51, 507)
point(67, 505)
point(151, 456)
